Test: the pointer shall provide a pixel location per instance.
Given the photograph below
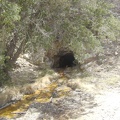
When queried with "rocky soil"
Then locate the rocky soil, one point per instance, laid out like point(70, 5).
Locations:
point(88, 95)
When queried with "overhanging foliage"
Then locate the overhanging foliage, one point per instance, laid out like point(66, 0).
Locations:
point(80, 25)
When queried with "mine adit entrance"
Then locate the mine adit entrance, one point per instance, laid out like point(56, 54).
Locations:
point(66, 60)
point(63, 59)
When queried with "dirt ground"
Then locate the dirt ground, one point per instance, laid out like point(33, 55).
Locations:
point(89, 95)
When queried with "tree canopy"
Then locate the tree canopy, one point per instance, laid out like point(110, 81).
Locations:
point(77, 24)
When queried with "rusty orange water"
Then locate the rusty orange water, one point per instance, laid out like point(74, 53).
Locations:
point(42, 95)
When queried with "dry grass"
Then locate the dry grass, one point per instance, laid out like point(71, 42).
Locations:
point(113, 80)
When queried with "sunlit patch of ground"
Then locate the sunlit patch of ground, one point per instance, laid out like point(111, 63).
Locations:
point(108, 107)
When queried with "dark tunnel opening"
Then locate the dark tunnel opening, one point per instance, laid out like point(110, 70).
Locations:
point(67, 60)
